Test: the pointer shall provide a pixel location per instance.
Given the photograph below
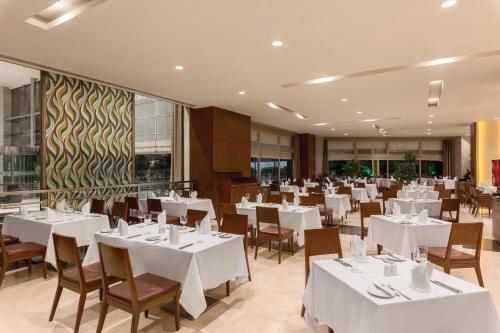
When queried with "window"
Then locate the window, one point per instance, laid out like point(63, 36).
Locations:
point(253, 167)
point(20, 120)
point(286, 169)
point(431, 169)
point(336, 168)
point(268, 169)
point(153, 139)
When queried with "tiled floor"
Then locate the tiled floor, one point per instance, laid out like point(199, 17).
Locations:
point(270, 303)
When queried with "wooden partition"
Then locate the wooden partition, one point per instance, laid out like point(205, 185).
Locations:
point(307, 144)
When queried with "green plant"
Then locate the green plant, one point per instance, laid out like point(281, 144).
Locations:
point(353, 168)
point(407, 169)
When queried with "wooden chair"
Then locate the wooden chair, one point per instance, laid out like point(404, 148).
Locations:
point(237, 224)
point(274, 198)
point(97, 206)
point(223, 208)
point(271, 233)
point(308, 200)
point(288, 196)
point(397, 186)
point(449, 258)
point(444, 194)
point(338, 184)
point(19, 252)
point(319, 242)
point(386, 195)
point(194, 216)
point(119, 211)
point(482, 201)
point(324, 211)
point(79, 279)
point(133, 209)
point(154, 207)
point(9, 240)
point(135, 294)
point(450, 206)
point(361, 185)
point(367, 209)
point(274, 188)
point(438, 187)
point(265, 192)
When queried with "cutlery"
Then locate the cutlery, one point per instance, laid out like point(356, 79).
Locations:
point(387, 292)
point(450, 288)
point(346, 264)
point(398, 292)
point(184, 246)
point(161, 240)
point(387, 261)
point(395, 258)
point(434, 221)
point(192, 230)
point(133, 236)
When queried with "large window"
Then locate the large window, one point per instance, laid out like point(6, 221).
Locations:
point(20, 127)
point(153, 139)
point(336, 167)
point(286, 169)
point(268, 169)
point(431, 169)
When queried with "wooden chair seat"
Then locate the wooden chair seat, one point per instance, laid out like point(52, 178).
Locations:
point(92, 274)
point(25, 250)
point(323, 211)
point(275, 232)
point(9, 240)
point(148, 286)
point(440, 253)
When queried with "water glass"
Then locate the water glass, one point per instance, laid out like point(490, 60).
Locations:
point(419, 253)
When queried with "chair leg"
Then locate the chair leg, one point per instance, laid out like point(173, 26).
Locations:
point(379, 249)
point(177, 311)
point(29, 264)
point(279, 251)
point(290, 242)
point(248, 266)
point(269, 246)
point(146, 314)
point(100, 294)
point(44, 267)
point(135, 323)
point(5, 265)
point(79, 312)
point(102, 316)
point(330, 330)
point(57, 296)
point(446, 269)
point(479, 275)
point(256, 247)
point(303, 311)
point(228, 288)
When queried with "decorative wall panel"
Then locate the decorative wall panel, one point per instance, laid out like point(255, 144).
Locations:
point(88, 133)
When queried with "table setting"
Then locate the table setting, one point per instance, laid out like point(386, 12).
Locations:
point(414, 206)
point(175, 205)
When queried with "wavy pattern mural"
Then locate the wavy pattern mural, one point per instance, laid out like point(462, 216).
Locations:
point(89, 132)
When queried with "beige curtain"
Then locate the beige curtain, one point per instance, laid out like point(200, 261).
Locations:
point(177, 170)
point(448, 158)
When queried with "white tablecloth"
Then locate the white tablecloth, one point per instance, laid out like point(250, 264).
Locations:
point(418, 188)
point(449, 184)
point(337, 297)
point(210, 262)
point(35, 228)
point(311, 184)
point(433, 206)
point(179, 208)
point(402, 238)
point(288, 188)
point(371, 189)
point(488, 188)
point(360, 194)
point(296, 218)
point(412, 194)
point(339, 203)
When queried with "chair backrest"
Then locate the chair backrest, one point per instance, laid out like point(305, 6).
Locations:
point(236, 224)
point(466, 234)
point(223, 208)
point(97, 206)
point(450, 206)
point(132, 203)
point(115, 262)
point(265, 192)
point(438, 187)
point(195, 215)
point(120, 210)
point(444, 194)
point(345, 190)
point(267, 215)
point(366, 209)
point(483, 200)
point(320, 242)
point(274, 198)
point(320, 199)
point(274, 187)
point(66, 252)
point(288, 196)
point(360, 185)
point(308, 200)
point(154, 205)
point(338, 184)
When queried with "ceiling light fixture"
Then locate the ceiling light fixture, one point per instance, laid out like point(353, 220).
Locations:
point(359, 112)
point(344, 99)
point(272, 105)
point(429, 122)
point(333, 129)
point(323, 80)
point(345, 134)
point(282, 108)
point(448, 3)
point(298, 115)
point(179, 67)
point(369, 120)
point(431, 115)
point(321, 124)
point(242, 92)
point(277, 43)
point(496, 118)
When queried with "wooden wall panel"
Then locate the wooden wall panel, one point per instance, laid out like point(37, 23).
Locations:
point(307, 147)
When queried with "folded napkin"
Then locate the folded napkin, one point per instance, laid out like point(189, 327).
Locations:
point(174, 235)
point(177, 197)
point(86, 208)
point(295, 190)
point(205, 225)
point(304, 190)
point(244, 201)
point(284, 203)
point(392, 178)
point(422, 216)
point(296, 200)
point(61, 205)
point(286, 183)
point(23, 210)
point(425, 197)
point(151, 195)
point(435, 177)
point(162, 219)
point(171, 194)
point(194, 194)
point(122, 227)
point(421, 276)
point(456, 178)
point(294, 180)
point(51, 215)
point(259, 198)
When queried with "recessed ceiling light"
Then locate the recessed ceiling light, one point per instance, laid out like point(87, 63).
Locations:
point(323, 80)
point(448, 3)
point(298, 115)
point(277, 43)
point(496, 118)
point(429, 133)
point(344, 99)
point(359, 112)
point(429, 122)
point(179, 67)
point(369, 120)
point(58, 4)
point(345, 134)
point(431, 115)
point(333, 129)
point(321, 124)
point(374, 125)
point(242, 92)
point(272, 105)
point(429, 129)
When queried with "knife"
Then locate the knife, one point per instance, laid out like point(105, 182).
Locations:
point(184, 246)
point(387, 292)
point(395, 258)
point(133, 236)
point(441, 284)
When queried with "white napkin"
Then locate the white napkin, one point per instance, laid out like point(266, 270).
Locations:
point(61, 205)
point(284, 203)
point(23, 210)
point(244, 201)
point(413, 211)
point(296, 200)
point(151, 195)
point(296, 190)
point(194, 194)
point(425, 197)
point(435, 177)
point(86, 208)
point(177, 197)
point(162, 219)
point(422, 216)
point(171, 194)
point(50, 214)
point(396, 210)
point(122, 227)
point(174, 235)
point(294, 180)
point(286, 183)
point(205, 225)
point(456, 178)
point(304, 190)
point(392, 178)
point(259, 198)
point(421, 276)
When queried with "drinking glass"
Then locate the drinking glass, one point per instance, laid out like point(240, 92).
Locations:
point(355, 255)
point(419, 253)
point(247, 196)
point(183, 221)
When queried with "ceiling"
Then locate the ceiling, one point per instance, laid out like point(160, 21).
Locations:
point(225, 47)
point(13, 76)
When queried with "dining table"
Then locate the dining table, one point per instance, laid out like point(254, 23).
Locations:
point(298, 218)
point(433, 206)
point(38, 227)
point(402, 234)
point(199, 261)
point(350, 300)
point(180, 206)
point(417, 194)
